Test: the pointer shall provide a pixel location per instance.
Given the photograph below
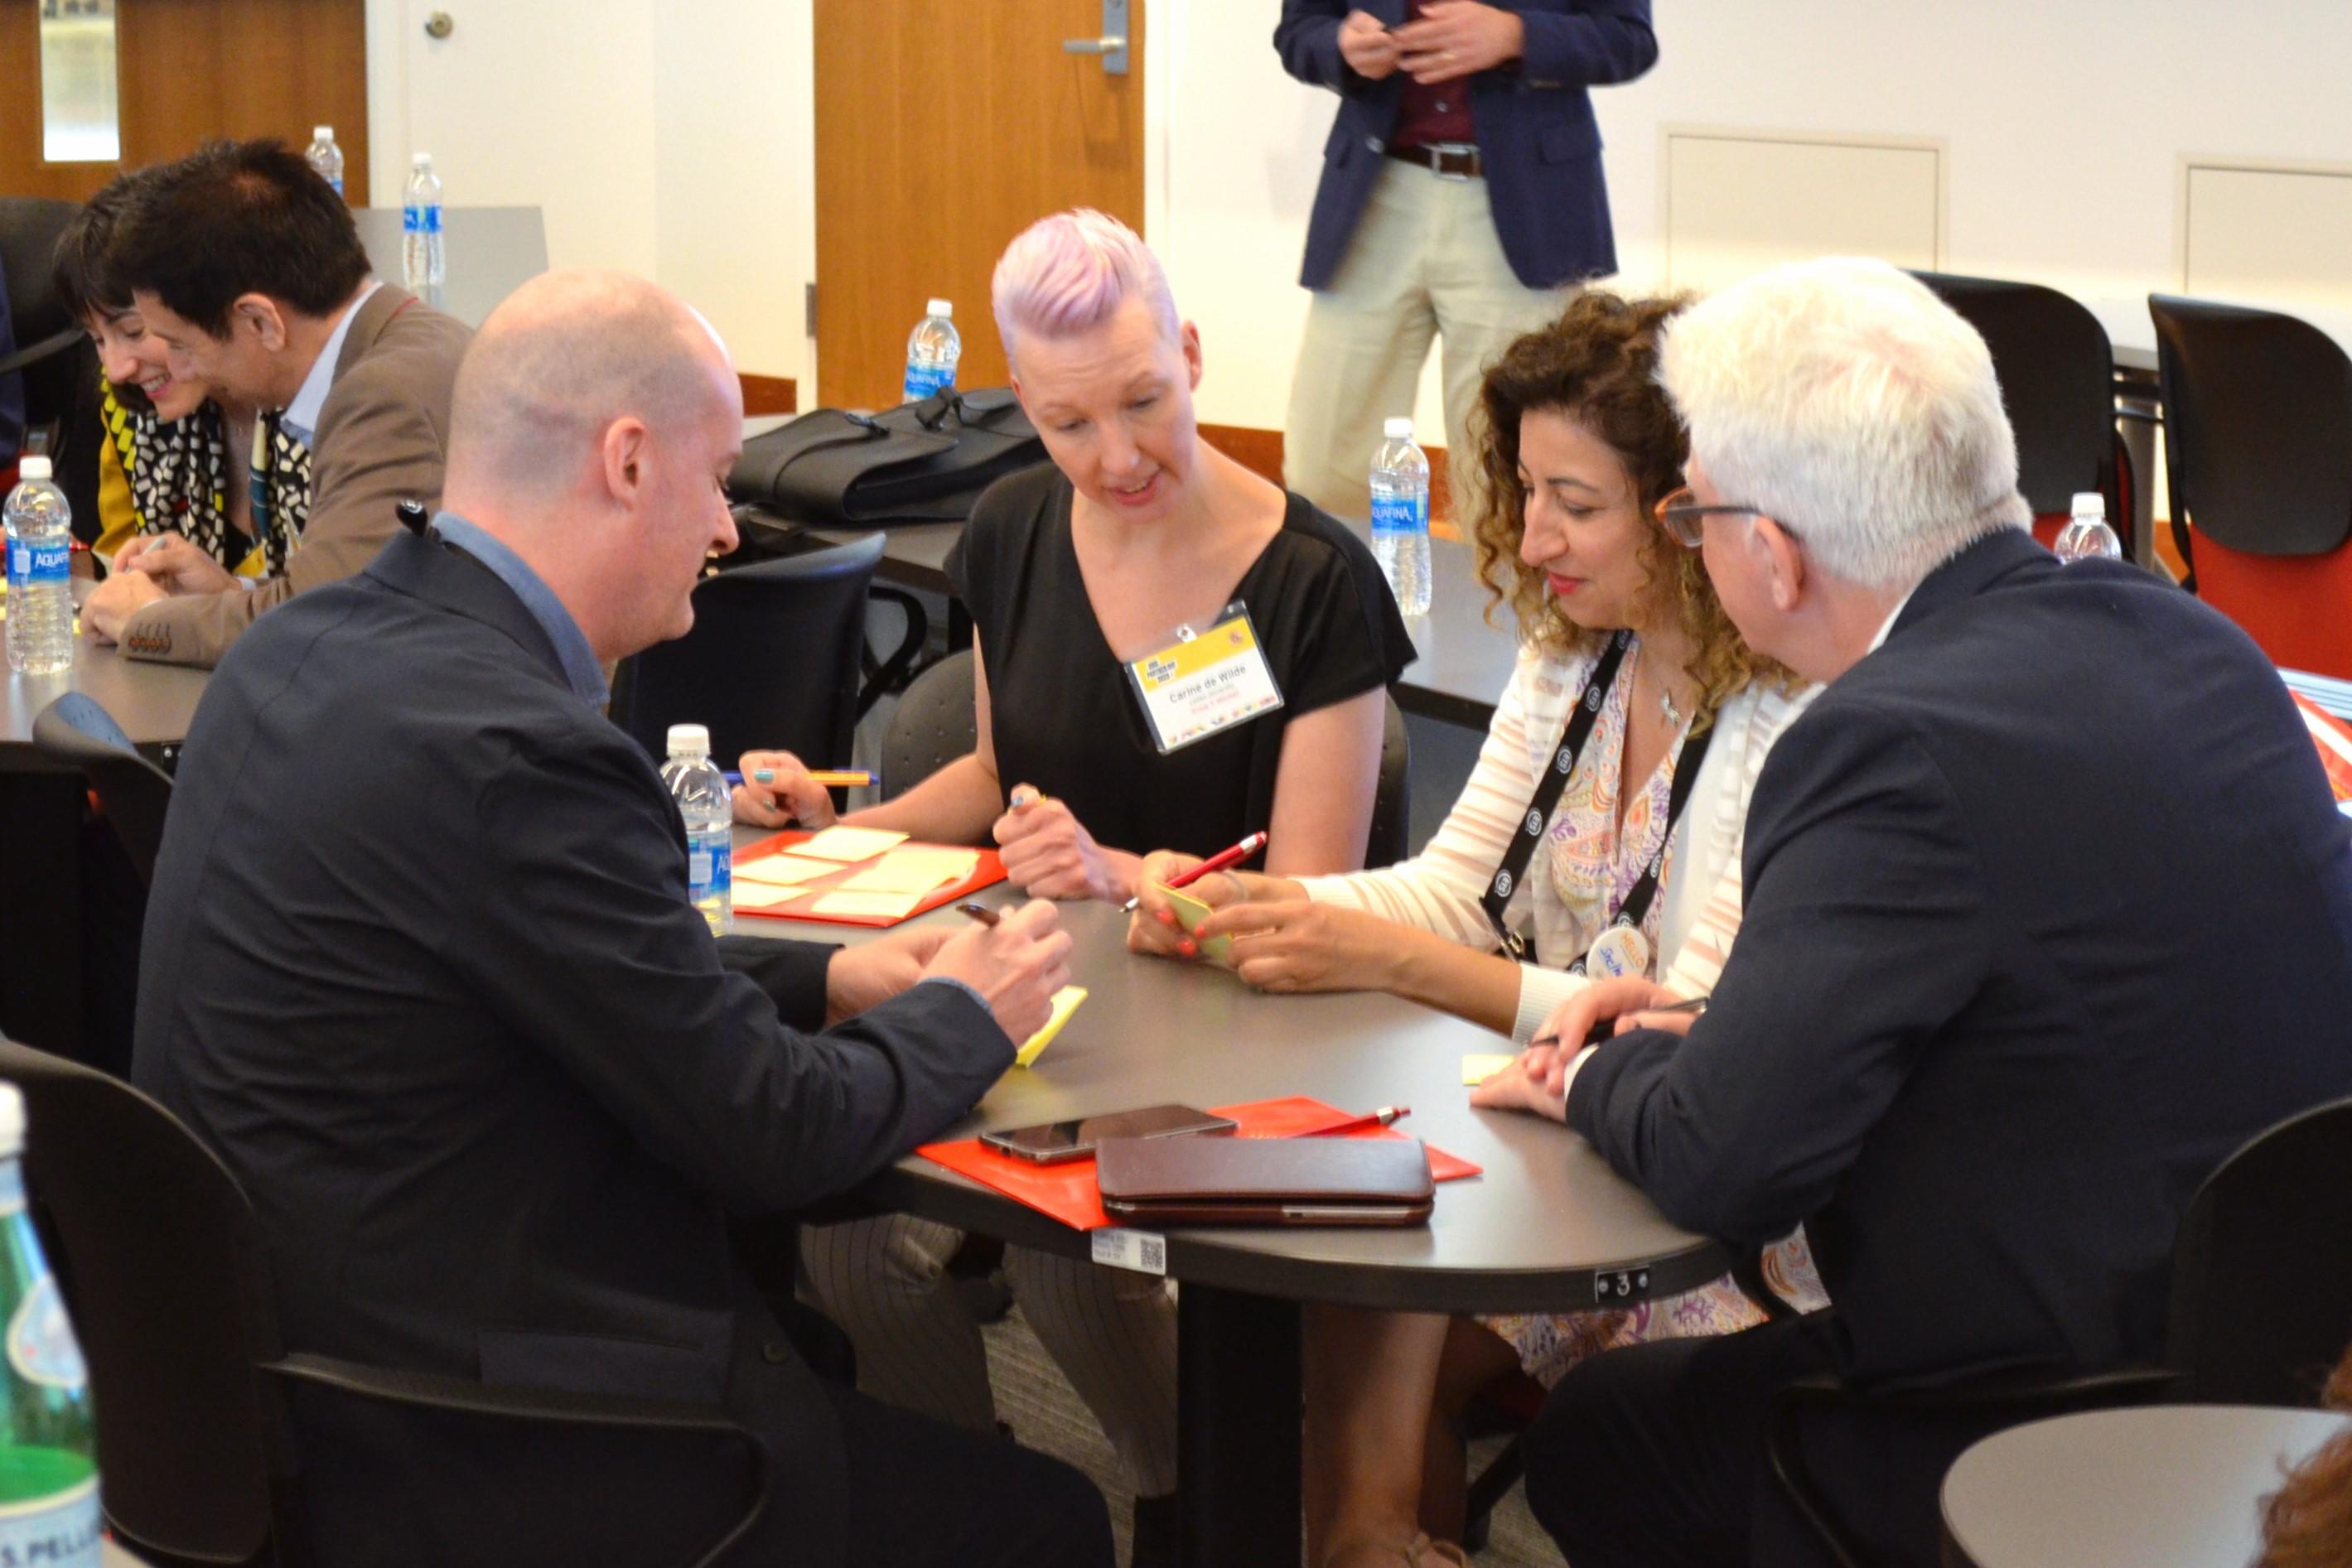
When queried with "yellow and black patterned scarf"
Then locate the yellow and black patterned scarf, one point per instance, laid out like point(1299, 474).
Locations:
point(178, 474)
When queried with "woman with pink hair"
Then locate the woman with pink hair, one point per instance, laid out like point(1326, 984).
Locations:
point(1136, 534)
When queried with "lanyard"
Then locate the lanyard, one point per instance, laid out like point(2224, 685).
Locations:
point(1530, 831)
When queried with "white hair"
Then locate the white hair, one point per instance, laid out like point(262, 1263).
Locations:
point(1843, 398)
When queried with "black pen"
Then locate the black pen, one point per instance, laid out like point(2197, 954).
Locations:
point(1694, 1005)
point(979, 912)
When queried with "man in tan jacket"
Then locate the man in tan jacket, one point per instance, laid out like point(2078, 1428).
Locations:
point(249, 269)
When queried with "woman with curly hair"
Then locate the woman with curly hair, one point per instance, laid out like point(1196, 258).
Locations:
point(1635, 688)
point(2307, 1522)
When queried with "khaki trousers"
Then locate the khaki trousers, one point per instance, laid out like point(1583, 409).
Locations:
point(1423, 263)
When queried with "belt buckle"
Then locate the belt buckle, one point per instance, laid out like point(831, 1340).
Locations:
point(1440, 150)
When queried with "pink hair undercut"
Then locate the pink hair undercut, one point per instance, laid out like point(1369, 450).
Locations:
point(1066, 274)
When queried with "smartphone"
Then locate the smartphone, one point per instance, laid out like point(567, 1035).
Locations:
point(1051, 1143)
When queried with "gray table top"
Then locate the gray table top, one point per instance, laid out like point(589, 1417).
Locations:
point(152, 703)
point(1546, 1219)
point(2165, 1486)
point(491, 251)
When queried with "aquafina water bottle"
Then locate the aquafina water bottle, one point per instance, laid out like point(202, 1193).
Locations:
point(422, 262)
point(40, 598)
point(700, 790)
point(2086, 536)
point(323, 155)
point(933, 349)
point(1401, 516)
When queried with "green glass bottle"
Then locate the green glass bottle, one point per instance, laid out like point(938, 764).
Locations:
point(48, 1454)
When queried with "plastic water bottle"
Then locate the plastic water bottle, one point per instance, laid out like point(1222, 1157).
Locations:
point(40, 600)
point(1401, 516)
point(48, 1457)
point(323, 155)
point(700, 791)
point(422, 262)
point(2086, 536)
point(933, 349)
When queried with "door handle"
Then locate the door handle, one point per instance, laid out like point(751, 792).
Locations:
point(1110, 44)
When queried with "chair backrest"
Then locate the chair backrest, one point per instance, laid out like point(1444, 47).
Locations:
point(2057, 376)
point(61, 390)
point(774, 660)
point(2262, 1277)
point(931, 726)
point(158, 1256)
point(77, 730)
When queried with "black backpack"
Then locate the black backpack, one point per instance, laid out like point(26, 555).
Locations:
point(920, 461)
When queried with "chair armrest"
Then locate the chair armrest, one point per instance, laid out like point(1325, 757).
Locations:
point(881, 675)
point(433, 1391)
point(33, 354)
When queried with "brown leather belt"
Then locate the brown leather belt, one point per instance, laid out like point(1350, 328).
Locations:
point(1466, 165)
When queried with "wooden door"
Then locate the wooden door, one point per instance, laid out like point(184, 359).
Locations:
point(190, 71)
point(943, 129)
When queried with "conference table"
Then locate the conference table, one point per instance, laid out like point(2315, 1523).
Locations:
point(2157, 1486)
point(1547, 1226)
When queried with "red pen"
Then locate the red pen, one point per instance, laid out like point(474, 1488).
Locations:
point(1386, 1116)
point(1218, 861)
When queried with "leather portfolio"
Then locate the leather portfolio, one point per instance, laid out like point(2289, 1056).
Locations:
point(1264, 1181)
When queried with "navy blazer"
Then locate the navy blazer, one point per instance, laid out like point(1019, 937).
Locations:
point(1540, 144)
point(420, 966)
point(2049, 909)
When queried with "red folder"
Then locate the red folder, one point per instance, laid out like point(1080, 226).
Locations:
point(989, 870)
point(1066, 1191)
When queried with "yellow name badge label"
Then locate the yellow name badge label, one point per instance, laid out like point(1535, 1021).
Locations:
point(1205, 682)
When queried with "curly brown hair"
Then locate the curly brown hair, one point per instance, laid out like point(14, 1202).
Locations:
point(1597, 365)
point(2307, 1523)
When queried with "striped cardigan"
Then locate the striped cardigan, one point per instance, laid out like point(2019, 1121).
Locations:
point(1439, 890)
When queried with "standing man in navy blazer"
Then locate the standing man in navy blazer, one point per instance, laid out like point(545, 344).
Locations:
point(1462, 189)
point(2048, 911)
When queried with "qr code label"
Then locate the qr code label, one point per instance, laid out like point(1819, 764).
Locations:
point(1139, 1250)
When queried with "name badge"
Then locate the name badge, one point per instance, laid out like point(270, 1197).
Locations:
point(1204, 682)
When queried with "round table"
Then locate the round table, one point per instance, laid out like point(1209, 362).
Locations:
point(2160, 1485)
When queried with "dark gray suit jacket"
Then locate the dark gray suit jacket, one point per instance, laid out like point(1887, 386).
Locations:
point(2049, 908)
point(420, 966)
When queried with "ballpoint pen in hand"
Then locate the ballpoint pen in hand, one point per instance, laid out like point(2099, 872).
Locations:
point(1218, 861)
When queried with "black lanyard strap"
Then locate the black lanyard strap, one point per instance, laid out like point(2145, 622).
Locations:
point(1530, 831)
point(1637, 907)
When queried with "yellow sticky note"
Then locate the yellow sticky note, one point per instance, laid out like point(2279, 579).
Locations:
point(760, 895)
point(888, 905)
point(847, 844)
point(783, 871)
point(1066, 1002)
point(1189, 913)
point(1478, 1067)
point(911, 870)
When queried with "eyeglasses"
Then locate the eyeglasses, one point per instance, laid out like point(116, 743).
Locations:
point(1681, 515)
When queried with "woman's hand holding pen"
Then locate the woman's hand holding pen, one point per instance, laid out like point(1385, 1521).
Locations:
point(1048, 853)
point(777, 792)
point(1155, 929)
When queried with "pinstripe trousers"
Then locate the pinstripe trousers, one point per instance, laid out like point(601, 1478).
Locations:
point(1112, 1332)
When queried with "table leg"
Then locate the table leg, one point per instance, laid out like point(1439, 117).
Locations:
point(1237, 1440)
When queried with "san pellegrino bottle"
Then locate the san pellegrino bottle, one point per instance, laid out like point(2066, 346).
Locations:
point(48, 1457)
point(933, 349)
point(703, 800)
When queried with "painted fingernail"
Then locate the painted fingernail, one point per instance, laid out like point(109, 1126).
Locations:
point(1187, 948)
point(763, 774)
point(1167, 917)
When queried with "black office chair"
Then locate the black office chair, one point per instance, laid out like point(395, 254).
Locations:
point(156, 1250)
point(2057, 376)
point(774, 660)
point(59, 365)
point(932, 726)
point(134, 792)
point(2260, 1309)
point(2258, 450)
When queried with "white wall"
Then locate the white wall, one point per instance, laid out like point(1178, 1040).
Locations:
point(675, 138)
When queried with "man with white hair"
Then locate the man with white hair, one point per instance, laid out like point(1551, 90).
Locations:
point(2048, 910)
point(421, 969)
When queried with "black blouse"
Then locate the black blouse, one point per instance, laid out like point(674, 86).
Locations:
point(1064, 716)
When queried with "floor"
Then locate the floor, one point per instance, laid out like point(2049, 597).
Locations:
point(1044, 1413)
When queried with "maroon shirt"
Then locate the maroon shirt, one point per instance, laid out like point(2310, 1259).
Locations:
point(1436, 112)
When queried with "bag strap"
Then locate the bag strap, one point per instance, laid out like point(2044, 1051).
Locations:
point(1555, 779)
